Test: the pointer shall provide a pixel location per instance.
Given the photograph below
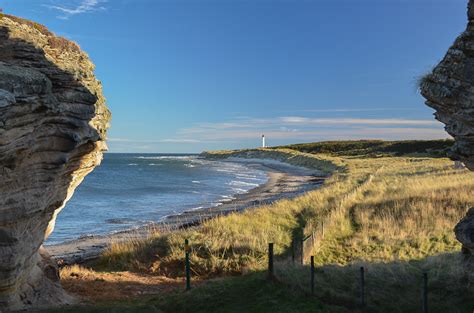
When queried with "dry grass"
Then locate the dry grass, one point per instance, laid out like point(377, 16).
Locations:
point(393, 214)
point(406, 211)
point(398, 223)
point(106, 286)
point(55, 42)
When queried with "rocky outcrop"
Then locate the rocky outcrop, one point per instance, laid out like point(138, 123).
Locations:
point(449, 89)
point(465, 230)
point(52, 133)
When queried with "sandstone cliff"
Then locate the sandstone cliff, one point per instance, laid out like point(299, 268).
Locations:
point(449, 89)
point(53, 120)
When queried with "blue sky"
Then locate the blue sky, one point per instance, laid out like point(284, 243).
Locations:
point(193, 75)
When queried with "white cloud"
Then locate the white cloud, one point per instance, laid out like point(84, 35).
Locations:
point(355, 121)
point(303, 122)
point(180, 140)
point(289, 129)
point(85, 6)
point(297, 128)
point(354, 110)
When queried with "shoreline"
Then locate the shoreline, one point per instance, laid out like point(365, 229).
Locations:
point(284, 182)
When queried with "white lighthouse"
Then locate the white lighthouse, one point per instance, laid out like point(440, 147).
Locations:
point(263, 141)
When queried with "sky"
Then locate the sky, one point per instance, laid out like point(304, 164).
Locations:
point(193, 75)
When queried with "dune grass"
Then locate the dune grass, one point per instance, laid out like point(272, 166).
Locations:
point(229, 244)
point(394, 215)
point(406, 211)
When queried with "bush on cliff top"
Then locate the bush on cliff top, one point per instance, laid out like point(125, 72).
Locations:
point(55, 42)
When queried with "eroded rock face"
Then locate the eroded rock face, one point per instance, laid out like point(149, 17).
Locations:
point(450, 91)
point(52, 133)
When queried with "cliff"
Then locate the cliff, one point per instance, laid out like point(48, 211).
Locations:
point(449, 89)
point(53, 121)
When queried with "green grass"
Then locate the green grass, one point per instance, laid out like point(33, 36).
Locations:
point(390, 286)
point(250, 293)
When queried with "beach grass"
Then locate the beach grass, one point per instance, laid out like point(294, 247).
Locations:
point(392, 214)
point(229, 244)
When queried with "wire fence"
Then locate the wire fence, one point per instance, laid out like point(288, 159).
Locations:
point(299, 256)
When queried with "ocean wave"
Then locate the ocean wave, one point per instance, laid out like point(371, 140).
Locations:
point(181, 157)
point(242, 183)
point(239, 190)
point(176, 190)
point(226, 170)
point(243, 175)
point(196, 208)
point(197, 161)
point(226, 198)
point(249, 178)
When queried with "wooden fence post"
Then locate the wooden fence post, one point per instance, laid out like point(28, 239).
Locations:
point(362, 286)
point(293, 251)
point(270, 261)
point(312, 275)
point(425, 292)
point(187, 265)
point(302, 252)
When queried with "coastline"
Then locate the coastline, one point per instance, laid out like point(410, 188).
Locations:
point(284, 181)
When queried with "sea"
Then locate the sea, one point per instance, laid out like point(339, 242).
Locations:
point(133, 190)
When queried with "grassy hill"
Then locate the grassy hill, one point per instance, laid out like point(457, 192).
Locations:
point(393, 214)
point(373, 148)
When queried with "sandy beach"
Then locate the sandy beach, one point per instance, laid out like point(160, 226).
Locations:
point(284, 181)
